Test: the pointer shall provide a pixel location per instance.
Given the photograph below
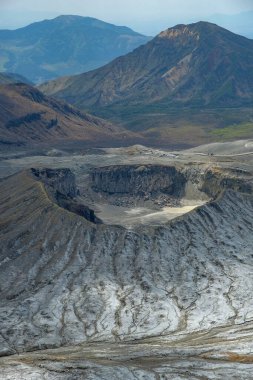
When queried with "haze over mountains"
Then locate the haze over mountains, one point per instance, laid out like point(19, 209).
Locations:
point(238, 23)
point(66, 45)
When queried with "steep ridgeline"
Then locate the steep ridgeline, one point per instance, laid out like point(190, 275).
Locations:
point(66, 45)
point(198, 64)
point(28, 116)
point(64, 280)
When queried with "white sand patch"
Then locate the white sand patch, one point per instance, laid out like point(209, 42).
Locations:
point(130, 217)
point(136, 211)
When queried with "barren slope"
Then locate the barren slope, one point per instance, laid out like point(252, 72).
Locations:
point(197, 65)
point(28, 116)
point(191, 80)
point(65, 280)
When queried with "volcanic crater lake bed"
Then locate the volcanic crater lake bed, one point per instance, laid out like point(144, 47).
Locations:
point(128, 217)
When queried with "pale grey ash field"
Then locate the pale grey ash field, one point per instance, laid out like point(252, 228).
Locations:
point(126, 190)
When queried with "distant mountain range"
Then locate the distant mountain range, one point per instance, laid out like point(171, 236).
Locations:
point(66, 45)
point(29, 117)
point(191, 80)
point(172, 81)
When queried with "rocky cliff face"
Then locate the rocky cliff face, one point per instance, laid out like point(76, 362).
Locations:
point(175, 181)
point(214, 181)
point(57, 181)
point(61, 186)
point(139, 180)
point(64, 280)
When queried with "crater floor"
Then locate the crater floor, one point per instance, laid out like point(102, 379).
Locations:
point(133, 216)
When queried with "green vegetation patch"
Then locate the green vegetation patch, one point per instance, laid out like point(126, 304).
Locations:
point(234, 131)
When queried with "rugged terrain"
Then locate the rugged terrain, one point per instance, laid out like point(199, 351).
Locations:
point(194, 79)
point(29, 117)
point(66, 45)
point(199, 64)
point(172, 298)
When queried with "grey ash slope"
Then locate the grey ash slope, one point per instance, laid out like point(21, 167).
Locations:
point(66, 45)
point(201, 64)
point(66, 281)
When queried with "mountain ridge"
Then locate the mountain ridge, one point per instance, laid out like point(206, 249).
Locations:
point(185, 42)
point(64, 45)
point(183, 70)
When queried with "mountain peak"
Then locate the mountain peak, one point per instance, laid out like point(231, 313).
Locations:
point(199, 64)
point(194, 30)
point(178, 31)
point(90, 42)
point(69, 20)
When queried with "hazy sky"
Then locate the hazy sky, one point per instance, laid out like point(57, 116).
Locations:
point(146, 16)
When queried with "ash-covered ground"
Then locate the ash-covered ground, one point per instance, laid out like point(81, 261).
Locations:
point(128, 263)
